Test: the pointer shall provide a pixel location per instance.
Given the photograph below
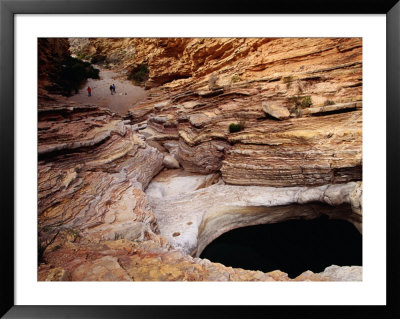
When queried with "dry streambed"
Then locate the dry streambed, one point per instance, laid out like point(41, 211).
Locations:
point(125, 97)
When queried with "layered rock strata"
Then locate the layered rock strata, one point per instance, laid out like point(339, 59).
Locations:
point(188, 60)
point(91, 196)
point(124, 260)
point(306, 150)
point(91, 174)
point(191, 215)
point(297, 154)
point(201, 86)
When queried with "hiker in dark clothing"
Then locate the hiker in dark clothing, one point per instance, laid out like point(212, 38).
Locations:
point(111, 89)
point(89, 91)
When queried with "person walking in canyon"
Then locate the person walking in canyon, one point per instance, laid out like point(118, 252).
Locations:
point(113, 87)
point(89, 91)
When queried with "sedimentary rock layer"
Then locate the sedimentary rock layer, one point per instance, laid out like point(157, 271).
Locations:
point(186, 59)
point(91, 174)
point(191, 216)
point(297, 105)
point(201, 86)
point(124, 260)
point(306, 150)
point(91, 195)
point(302, 151)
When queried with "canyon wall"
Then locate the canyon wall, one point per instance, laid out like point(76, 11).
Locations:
point(297, 108)
point(51, 53)
point(299, 102)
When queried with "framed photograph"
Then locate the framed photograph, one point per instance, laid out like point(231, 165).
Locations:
point(162, 155)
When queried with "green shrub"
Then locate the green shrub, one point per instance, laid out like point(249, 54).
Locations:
point(139, 74)
point(295, 100)
point(299, 101)
point(73, 73)
point(236, 78)
point(328, 102)
point(236, 127)
point(306, 101)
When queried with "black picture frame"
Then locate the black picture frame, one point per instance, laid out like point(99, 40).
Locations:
point(9, 8)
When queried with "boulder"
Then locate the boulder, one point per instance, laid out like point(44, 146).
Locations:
point(199, 120)
point(58, 274)
point(333, 108)
point(161, 105)
point(159, 119)
point(170, 162)
point(276, 111)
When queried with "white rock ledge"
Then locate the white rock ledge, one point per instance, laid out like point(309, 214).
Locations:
point(191, 220)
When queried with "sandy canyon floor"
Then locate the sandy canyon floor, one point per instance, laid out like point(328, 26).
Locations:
point(125, 97)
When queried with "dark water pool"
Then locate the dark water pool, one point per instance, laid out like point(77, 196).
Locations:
point(293, 246)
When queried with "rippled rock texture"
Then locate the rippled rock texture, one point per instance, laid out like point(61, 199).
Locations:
point(92, 172)
point(194, 210)
point(318, 82)
point(124, 260)
point(293, 151)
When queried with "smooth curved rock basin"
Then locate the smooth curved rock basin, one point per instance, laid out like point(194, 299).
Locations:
point(191, 220)
point(92, 195)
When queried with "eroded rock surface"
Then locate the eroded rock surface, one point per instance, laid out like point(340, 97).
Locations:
point(92, 172)
point(192, 218)
point(278, 112)
point(105, 212)
point(51, 53)
point(124, 260)
point(315, 83)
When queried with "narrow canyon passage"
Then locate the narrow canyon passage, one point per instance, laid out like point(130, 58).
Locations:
point(125, 97)
point(293, 246)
